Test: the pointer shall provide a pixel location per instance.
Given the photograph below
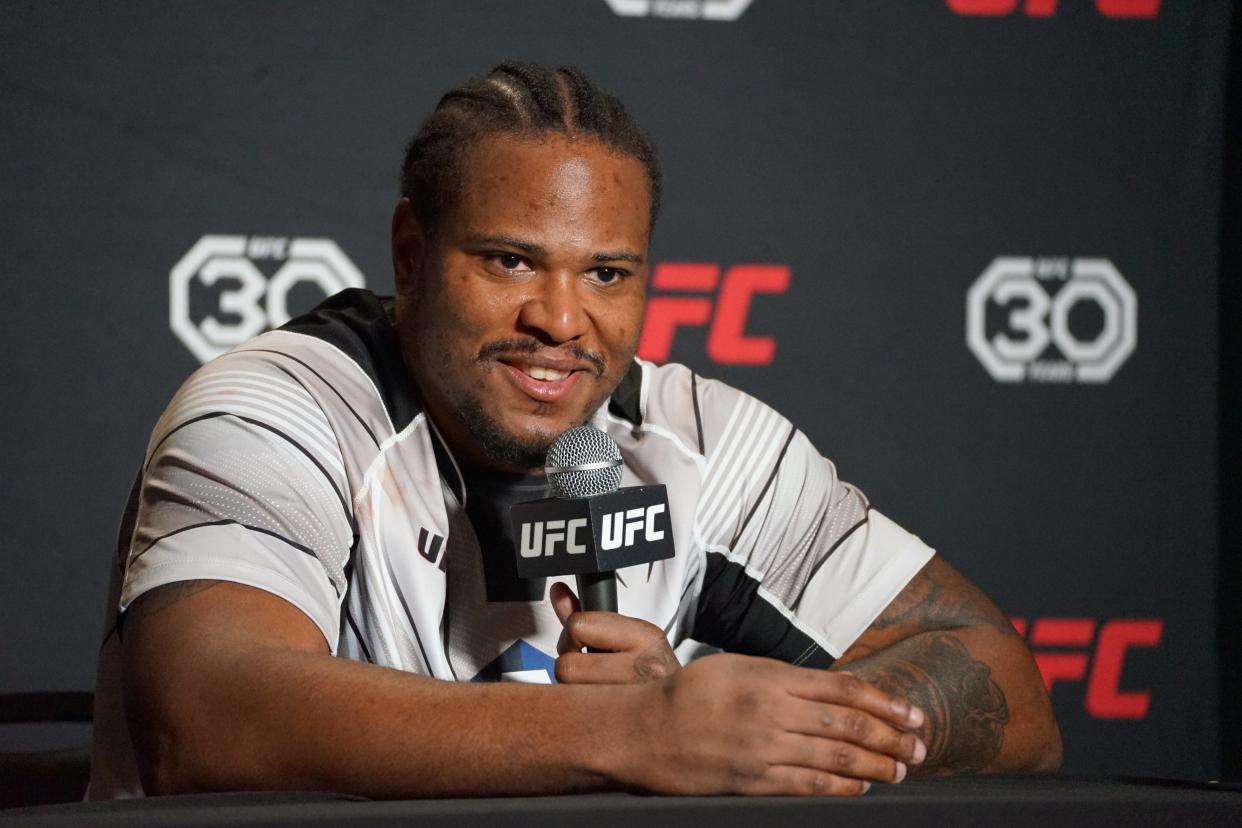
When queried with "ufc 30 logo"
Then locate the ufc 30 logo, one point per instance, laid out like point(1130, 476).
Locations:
point(247, 302)
point(1019, 319)
point(1072, 649)
point(725, 310)
point(619, 529)
point(1118, 9)
point(687, 9)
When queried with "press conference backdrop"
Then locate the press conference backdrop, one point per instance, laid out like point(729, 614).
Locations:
point(969, 246)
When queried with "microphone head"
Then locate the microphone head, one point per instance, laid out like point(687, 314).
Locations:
point(583, 462)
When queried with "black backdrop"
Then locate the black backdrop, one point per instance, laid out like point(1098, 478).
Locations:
point(861, 165)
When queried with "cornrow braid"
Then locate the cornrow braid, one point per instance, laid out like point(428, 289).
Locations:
point(516, 99)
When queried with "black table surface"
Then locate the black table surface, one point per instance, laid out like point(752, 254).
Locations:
point(1006, 801)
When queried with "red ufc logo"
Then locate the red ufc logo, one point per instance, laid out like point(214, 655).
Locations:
point(725, 311)
point(1117, 9)
point(1071, 661)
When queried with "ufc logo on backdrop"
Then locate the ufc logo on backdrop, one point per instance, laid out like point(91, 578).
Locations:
point(688, 9)
point(1117, 9)
point(1020, 319)
point(248, 301)
point(1073, 650)
point(708, 300)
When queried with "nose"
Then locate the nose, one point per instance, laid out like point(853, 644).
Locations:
point(553, 312)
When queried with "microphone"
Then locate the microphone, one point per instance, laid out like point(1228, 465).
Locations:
point(590, 527)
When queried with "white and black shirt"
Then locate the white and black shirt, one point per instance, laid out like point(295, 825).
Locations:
point(300, 463)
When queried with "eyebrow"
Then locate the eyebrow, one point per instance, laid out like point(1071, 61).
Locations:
point(618, 256)
point(504, 240)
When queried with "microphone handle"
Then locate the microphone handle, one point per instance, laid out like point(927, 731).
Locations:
point(597, 591)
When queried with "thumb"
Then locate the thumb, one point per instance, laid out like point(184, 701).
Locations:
point(564, 602)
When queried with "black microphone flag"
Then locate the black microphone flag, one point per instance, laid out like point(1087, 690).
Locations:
point(590, 527)
point(578, 535)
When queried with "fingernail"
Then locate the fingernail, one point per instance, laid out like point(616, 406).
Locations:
point(900, 774)
point(866, 786)
point(920, 751)
point(915, 717)
point(900, 709)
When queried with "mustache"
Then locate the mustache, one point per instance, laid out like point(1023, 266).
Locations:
point(531, 346)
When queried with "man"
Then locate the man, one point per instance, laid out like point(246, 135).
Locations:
point(339, 488)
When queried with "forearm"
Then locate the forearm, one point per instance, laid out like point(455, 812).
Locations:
point(985, 705)
point(292, 720)
point(227, 687)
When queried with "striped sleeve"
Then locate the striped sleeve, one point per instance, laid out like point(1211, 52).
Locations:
point(797, 564)
point(244, 481)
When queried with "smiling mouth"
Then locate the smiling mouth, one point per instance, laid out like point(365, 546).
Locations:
point(540, 372)
point(541, 382)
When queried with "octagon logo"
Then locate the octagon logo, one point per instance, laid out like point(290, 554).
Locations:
point(227, 289)
point(1051, 320)
point(683, 9)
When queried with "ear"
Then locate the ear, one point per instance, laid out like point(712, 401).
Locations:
point(408, 246)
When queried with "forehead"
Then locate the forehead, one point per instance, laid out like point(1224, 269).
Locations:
point(551, 185)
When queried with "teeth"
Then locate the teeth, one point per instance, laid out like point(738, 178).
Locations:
point(546, 374)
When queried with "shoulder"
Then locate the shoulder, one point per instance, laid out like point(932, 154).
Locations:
point(337, 369)
point(705, 413)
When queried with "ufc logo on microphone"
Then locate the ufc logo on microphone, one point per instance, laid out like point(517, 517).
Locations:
point(723, 310)
point(1117, 9)
point(543, 537)
point(620, 528)
point(1097, 656)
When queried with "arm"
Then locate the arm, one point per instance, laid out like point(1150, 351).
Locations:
point(229, 687)
point(945, 647)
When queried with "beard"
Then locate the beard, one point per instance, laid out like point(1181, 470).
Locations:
point(503, 448)
point(506, 449)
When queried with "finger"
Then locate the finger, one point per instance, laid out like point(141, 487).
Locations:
point(786, 780)
point(565, 644)
point(596, 668)
point(564, 602)
point(851, 691)
point(838, 757)
point(611, 632)
point(854, 726)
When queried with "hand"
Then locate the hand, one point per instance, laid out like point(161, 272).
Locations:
point(739, 724)
point(634, 650)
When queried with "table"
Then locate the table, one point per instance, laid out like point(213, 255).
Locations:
point(1007, 801)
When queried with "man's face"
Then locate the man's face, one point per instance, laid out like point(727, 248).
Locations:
point(520, 315)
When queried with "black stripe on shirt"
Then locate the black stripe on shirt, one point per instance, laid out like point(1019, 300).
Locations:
point(360, 325)
point(330, 386)
point(362, 644)
point(836, 546)
point(698, 418)
point(349, 515)
point(733, 616)
point(129, 522)
point(767, 484)
point(627, 397)
point(409, 616)
point(230, 522)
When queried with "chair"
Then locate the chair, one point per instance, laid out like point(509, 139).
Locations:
point(47, 776)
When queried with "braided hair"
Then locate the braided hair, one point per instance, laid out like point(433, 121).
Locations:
point(520, 100)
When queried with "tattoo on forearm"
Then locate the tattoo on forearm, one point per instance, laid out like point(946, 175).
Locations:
point(940, 599)
point(966, 710)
